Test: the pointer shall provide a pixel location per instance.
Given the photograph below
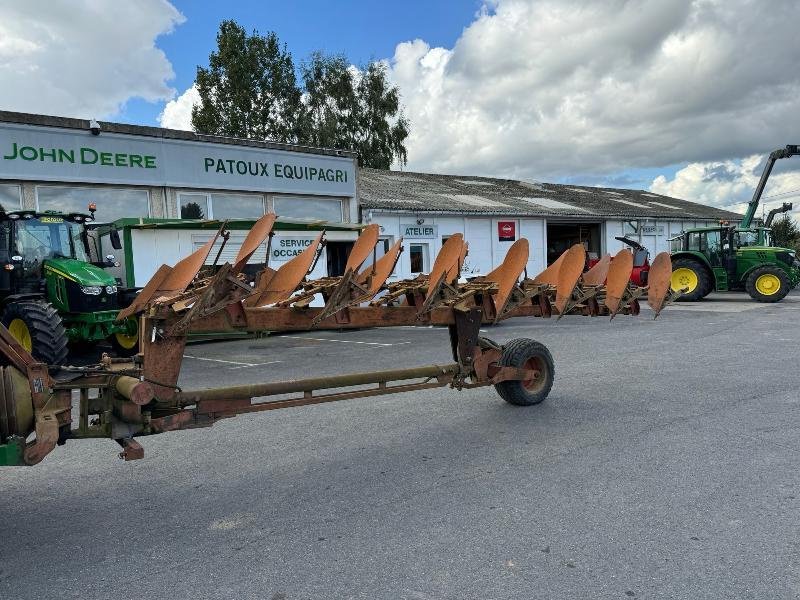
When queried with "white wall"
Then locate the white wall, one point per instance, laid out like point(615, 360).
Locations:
point(154, 247)
point(654, 243)
point(485, 250)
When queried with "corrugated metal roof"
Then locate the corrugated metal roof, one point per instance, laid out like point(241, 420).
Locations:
point(462, 194)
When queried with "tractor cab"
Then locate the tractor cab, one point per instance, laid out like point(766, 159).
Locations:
point(757, 236)
point(49, 249)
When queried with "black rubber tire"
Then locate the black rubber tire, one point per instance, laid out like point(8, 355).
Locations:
point(750, 284)
point(48, 336)
point(517, 353)
point(704, 283)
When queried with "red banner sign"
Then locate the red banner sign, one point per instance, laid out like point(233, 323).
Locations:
point(507, 231)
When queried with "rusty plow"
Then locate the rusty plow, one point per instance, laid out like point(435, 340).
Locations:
point(126, 399)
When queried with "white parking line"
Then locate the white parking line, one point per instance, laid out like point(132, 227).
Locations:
point(300, 337)
point(241, 365)
point(272, 362)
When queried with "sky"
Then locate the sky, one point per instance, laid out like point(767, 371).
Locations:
point(680, 97)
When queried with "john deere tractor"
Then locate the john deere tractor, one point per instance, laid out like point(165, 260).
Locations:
point(730, 257)
point(52, 294)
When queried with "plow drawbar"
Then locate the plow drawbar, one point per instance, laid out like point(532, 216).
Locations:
point(124, 399)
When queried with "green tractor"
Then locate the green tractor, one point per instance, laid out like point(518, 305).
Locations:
point(52, 294)
point(730, 257)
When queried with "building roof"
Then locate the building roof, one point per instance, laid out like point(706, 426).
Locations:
point(160, 132)
point(398, 191)
point(281, 224)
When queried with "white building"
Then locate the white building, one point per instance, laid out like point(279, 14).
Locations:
point(146, 175)
point(491, 213)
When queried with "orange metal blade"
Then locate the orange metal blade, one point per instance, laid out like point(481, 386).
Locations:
point(550, 274)
point(448, 258)
point(383, 268)
point(569, 273)
point(658, 281)
point(286, 279)
point(619, 273)
point(146, 294)
point(261, 229)
point(363, 247)
point(598, 273)
point(507, 274)
point(451, 276)
point(446, 263)
point(186, 269)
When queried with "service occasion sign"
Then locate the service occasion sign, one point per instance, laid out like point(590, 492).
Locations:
point(54, 154)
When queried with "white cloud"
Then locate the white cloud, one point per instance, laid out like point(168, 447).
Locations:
point(83, 58)
point(178, 112)
point(562, 88)
point(730, 184)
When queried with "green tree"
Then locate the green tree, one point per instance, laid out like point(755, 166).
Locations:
point(192, 210)
point(785, 232)
point(331, 103)
point(354, 110)
point(382, 127)
point(249, 89)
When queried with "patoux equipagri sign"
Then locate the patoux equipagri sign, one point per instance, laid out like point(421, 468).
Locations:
point(53, 154)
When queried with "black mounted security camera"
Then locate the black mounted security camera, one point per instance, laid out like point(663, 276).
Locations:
point(94, 127)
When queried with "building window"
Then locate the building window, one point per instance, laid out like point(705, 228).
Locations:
point(10, 197)
point(194, 206)
point(317, 209)
point(221, 206)
point(112, 203)
point(237, 206)
point(418, 253)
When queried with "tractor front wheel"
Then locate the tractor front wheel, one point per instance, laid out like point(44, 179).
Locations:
point(37, 326)
point(126, 343)
point(768, 284)
point(692, 276)
point(530, 354)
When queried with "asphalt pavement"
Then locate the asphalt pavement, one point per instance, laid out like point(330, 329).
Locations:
point(663, 465)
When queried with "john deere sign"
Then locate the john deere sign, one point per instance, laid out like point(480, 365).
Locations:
point(53, 154)
point(85, 156)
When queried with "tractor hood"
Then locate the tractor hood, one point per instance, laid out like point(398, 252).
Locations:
point(81, 272)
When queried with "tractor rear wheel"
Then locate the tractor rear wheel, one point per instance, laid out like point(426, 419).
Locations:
point(37, 326)
point(691, 274)
point(523, 352)
point(768, 284)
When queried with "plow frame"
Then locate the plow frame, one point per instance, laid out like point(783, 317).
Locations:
point(124, 399)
